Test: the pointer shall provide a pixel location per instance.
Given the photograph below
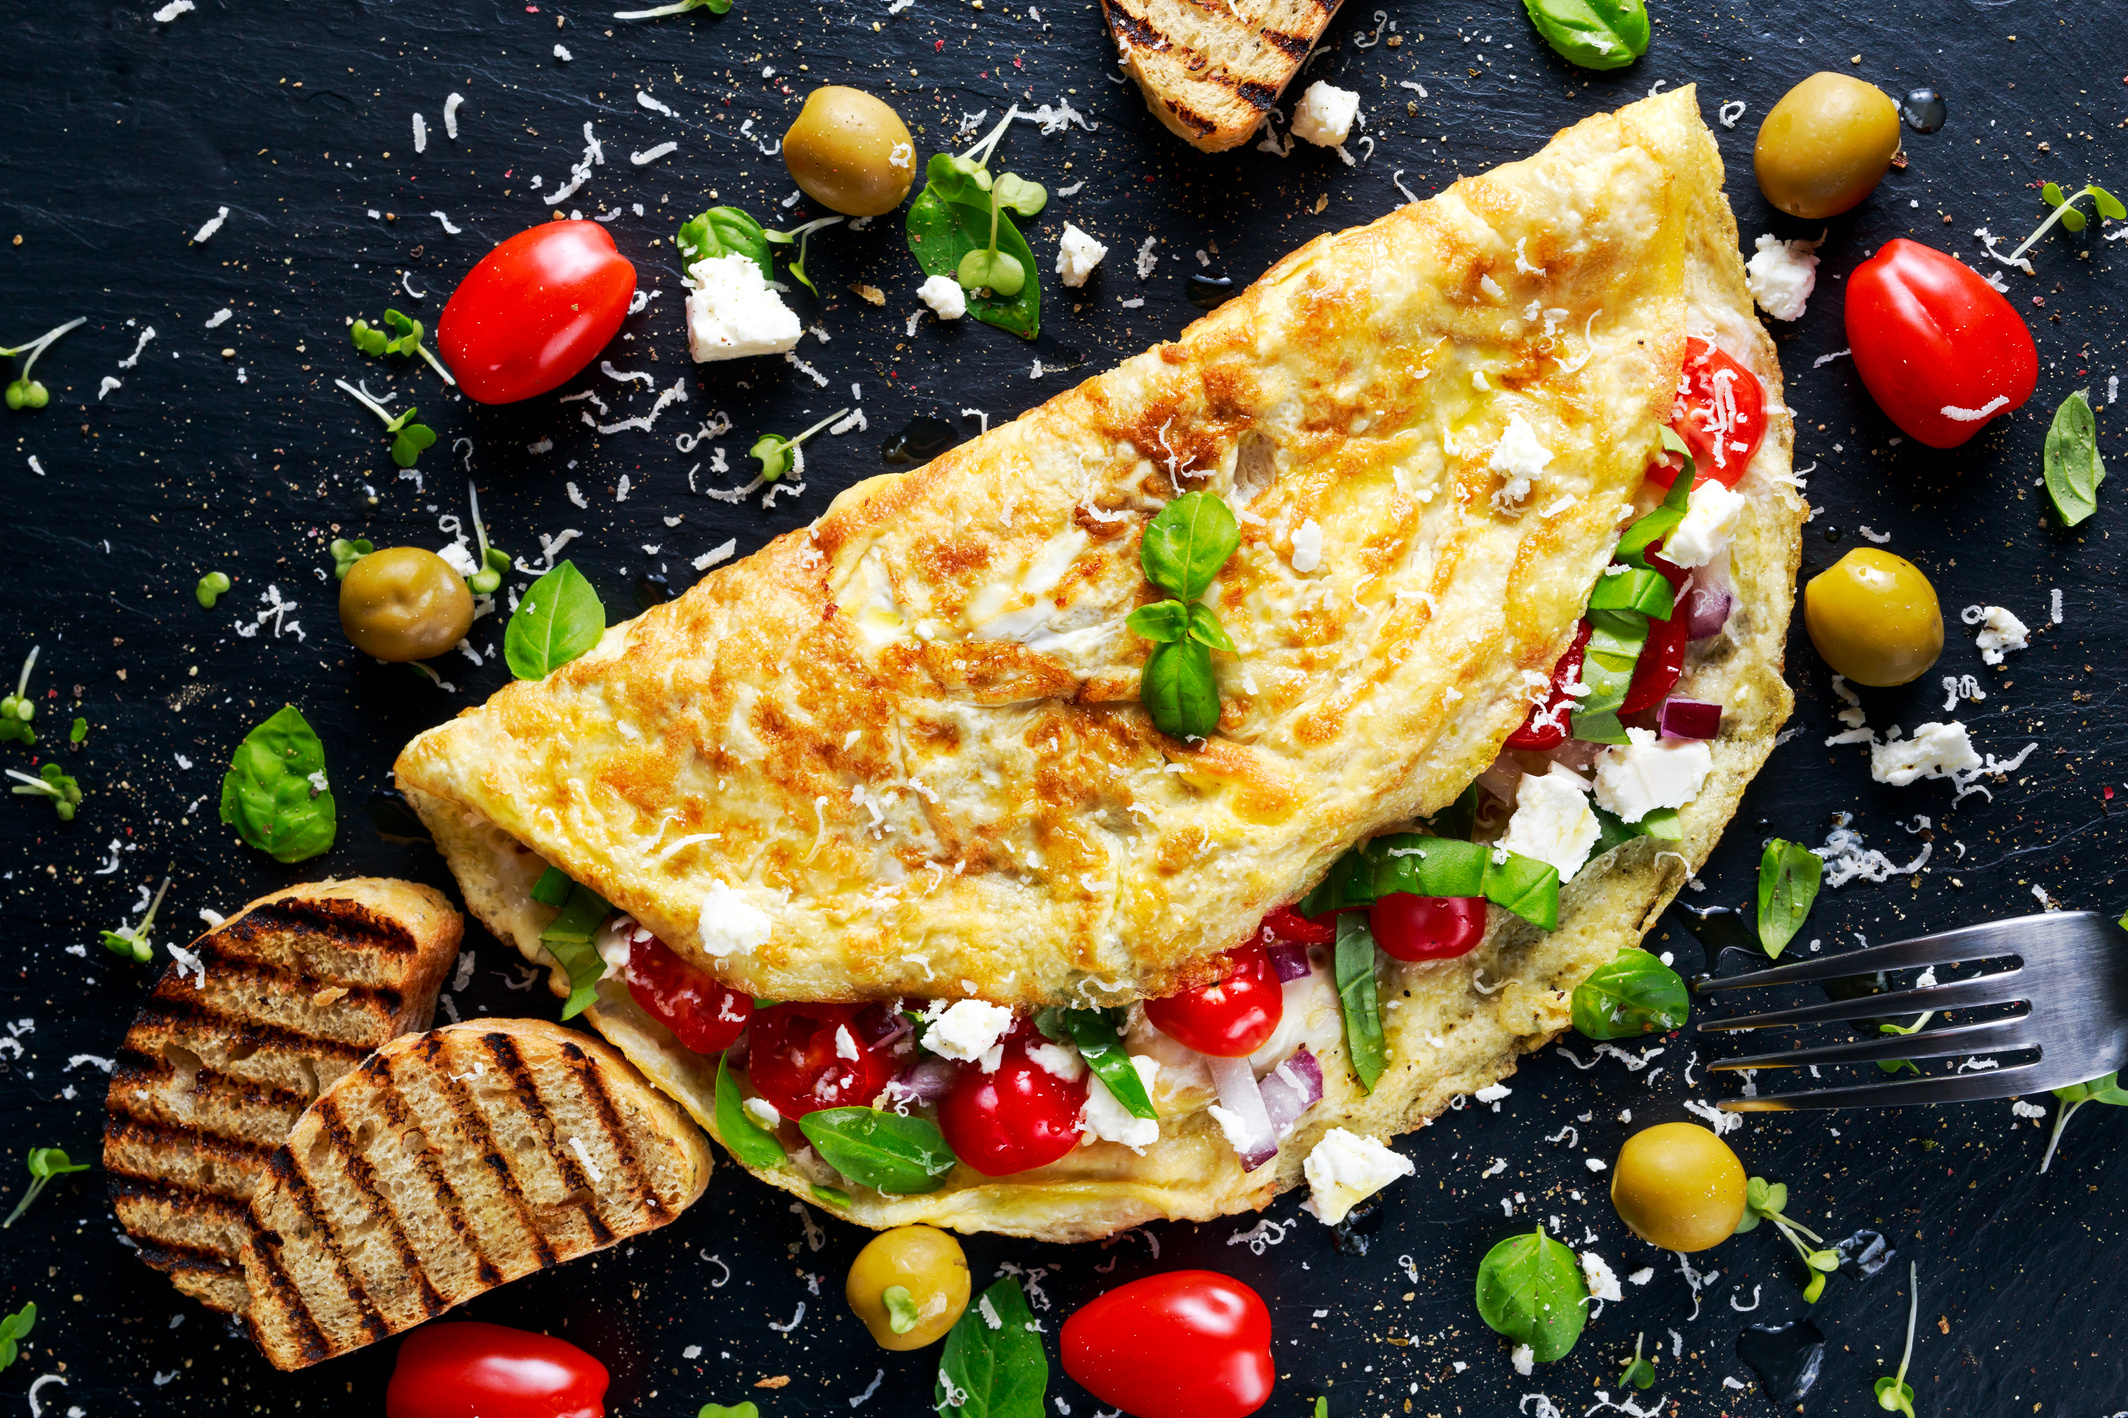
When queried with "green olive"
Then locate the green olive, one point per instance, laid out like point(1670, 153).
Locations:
point(925, 1266)
point(404, 603)
point(1874, 618)
point(850, 152)
point(1678, 1186)
point(1826, 145)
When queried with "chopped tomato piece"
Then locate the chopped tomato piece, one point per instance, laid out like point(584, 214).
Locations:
point(1720, 413)
point(1546, 727)
point(692, 1003)
point(1231, 1017)
point(805, 1057)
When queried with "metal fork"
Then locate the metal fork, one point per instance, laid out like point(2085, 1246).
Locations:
point(2071, 975)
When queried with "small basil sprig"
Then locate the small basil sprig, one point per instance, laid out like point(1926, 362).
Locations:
point(1895, 1394)
point(569, 938)
point(1530, 1288)
point(2071, 461)
point(557, 621)
point(1097, 1035)
point(1183, 548)
point(44, 1163)
point(882, 1150)
point(346, 552)
point(1358, 1000)
point(1595, 34)
point(1788, 884)
point(53, 785)
point(2106, 1089)
point(1639, 1372)
point(17, 709)
point(24, 392)
point(957, 227)
point(1766, 1201)
point(135, 942)
point(13, 1330)
point(405, 339)
point(275, 794)
point(1632, 994)
point(992, 1365)
point(408, 437)
point(753, 1144)
point(779, 456)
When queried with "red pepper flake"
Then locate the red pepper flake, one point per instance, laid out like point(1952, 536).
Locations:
point(2109, 792)
point(941, 44)
point(1018, 65)
point(2039, 300)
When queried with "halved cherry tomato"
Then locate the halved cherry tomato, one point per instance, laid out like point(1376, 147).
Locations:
point(1662, 655)
point(805, 1057)
point(1015, 1119)
point(1230, 1018)
point(704, 1015)
point(1187, 1344)
point(1289, 924)
point(536, 310)
point(1409, 927)
point(471, 1370)
point(1547, 724)
point(1931, 336)
point(1720, 413)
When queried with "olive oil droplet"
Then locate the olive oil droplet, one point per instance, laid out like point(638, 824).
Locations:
point(1923, 110)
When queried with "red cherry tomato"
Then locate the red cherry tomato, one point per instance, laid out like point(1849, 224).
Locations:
point(1547, 724)
point(1928, 335)
point(799, 1055)
point(1187, 1344)
point(691, 1003)
point(1411, 927)
point(470, 1370)
point(1289, 924)
point(1720, 413)
point(1230, 1018)
point(1662, 656)
point(1013, 1120)
point(537, 309)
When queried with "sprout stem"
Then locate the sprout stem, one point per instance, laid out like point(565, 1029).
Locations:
point(989, 145)
point(818, 426)
point(368, 400)
point(682, 6)
point(38, 346)
point(2061, 1120)
point(22, 686)
point(435, 364)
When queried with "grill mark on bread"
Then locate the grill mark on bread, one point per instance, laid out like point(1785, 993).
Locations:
point(541, 1119)
point(495, 1167)
point(628, 1179)
point(264, 1272)
point(363, 1173)
point(296, 1190)
point(1294, 46)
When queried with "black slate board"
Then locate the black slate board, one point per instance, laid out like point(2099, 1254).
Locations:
point(124, 136)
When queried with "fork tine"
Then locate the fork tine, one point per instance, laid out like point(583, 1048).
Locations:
point(1982, 942)
point(1996, 1036)
point(2001, 987)
point(1947, 1088)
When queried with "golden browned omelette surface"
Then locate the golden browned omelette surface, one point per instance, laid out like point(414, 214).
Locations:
point(899, 753)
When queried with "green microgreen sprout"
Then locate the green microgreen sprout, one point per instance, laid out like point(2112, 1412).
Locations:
point(1895, 1394)
point(408, 437)
point(51, 783)
point(780, 456)
point(1639, 1372)
point(45, 1163)
point(405, 339)
point(346, 553)
point(679, 7)
point(2066, 213)
point(1767, 1201)
point(17, 709)
point(1887, 1027)
point(25, 392)
point(494, 561)
point(132, 942)
point(2104, 1089)
point(902, 1314)
point(989, 268)
point(79, 732)
point(211, 588)
point(13, 1329)
point(803, 235)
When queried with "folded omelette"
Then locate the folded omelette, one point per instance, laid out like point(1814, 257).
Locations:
point(899, 754)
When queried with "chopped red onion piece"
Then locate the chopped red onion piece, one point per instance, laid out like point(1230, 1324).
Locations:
point(1290, 1089)
point(1288, 959)
point(923, 1083)
point(1690, 719)
point(1251, 1131)
point(1706, 608)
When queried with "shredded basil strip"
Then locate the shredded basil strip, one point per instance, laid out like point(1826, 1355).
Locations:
point(753, 1144)
point(1530, 1288)
point(993, 1372)
point(557, 621)
point(1595, 34)
point(553, 887)
point(1418, 865)
point(882, 1150)
point(1364, 1044)
point(1656, 525)
point(2071, 459)
point(1635, 588)
point(1099, 1040)
point(274, 793)
point(1615, 831)
point(1788, 883)
point(1633, 994)
point(1616, 639)
point(568, 939)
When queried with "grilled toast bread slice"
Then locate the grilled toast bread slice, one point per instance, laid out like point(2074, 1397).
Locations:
point(1211, 72)
point(447, 1164)
point(290, 993)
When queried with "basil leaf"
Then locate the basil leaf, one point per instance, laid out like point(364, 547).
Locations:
point(1364, 1044)
point(882, 1150)
point(1656, 525)
point(274, 793)
point(1633, 994)
point(949, 219)
point(568, 939)
point(1205, 628)
point(718, 1410)
point(1100, 1043)
point(558, 620)
point(1615, 831)
point(1180, 691)
point(13, 1329)
point(1162, 622)
point(1187, 542)
point(1418, 865)
point(993, 1365)
point(2073, 466)
point(1530, 1289)
point(1526, 886)
point(724, 231)
point(1615, 642)
point(745, 1139)
point(1788, 884)
point(830, 1196)
point(1596, 34)
point(553, 888)
point(1634, 588)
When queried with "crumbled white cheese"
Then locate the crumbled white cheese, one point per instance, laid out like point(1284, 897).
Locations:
point(1636, 778)
point(967, 1030)
point(1307, 546)
point(763, 1112)
point(1077, 255)
point(1106, 1120)
point(459, 558)
point(1782, 276)
point(1709, 522)
point(1492, 1093)
point(1519, 458)
point(1325, 113)
point(945, 297)
point(1524, 1359)
point(2000, 630)
point(615, 942)
point(1344, 1169)
point(1603, 1282)
point(730, 923)
point(732, 313)
point(1552, 821)
point(1060, 1060)
point(845, 1043)
point(1935, 751)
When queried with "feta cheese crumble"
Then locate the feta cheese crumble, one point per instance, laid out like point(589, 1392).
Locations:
point(1307, 546)
point(1638, 777)
point(1519, 458)
point(1106, 1120)
point(731, 924)
point(945, 297)
point(1077, 255)
point(1325, 113)
point(1603, 1281)
point(967, 1030)
point(1709, 523)
point(1552, 821)
point(1999, 631)
point(1345, 1169)
point(1782, 275)
point(1935, 751)
point(732, 312)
